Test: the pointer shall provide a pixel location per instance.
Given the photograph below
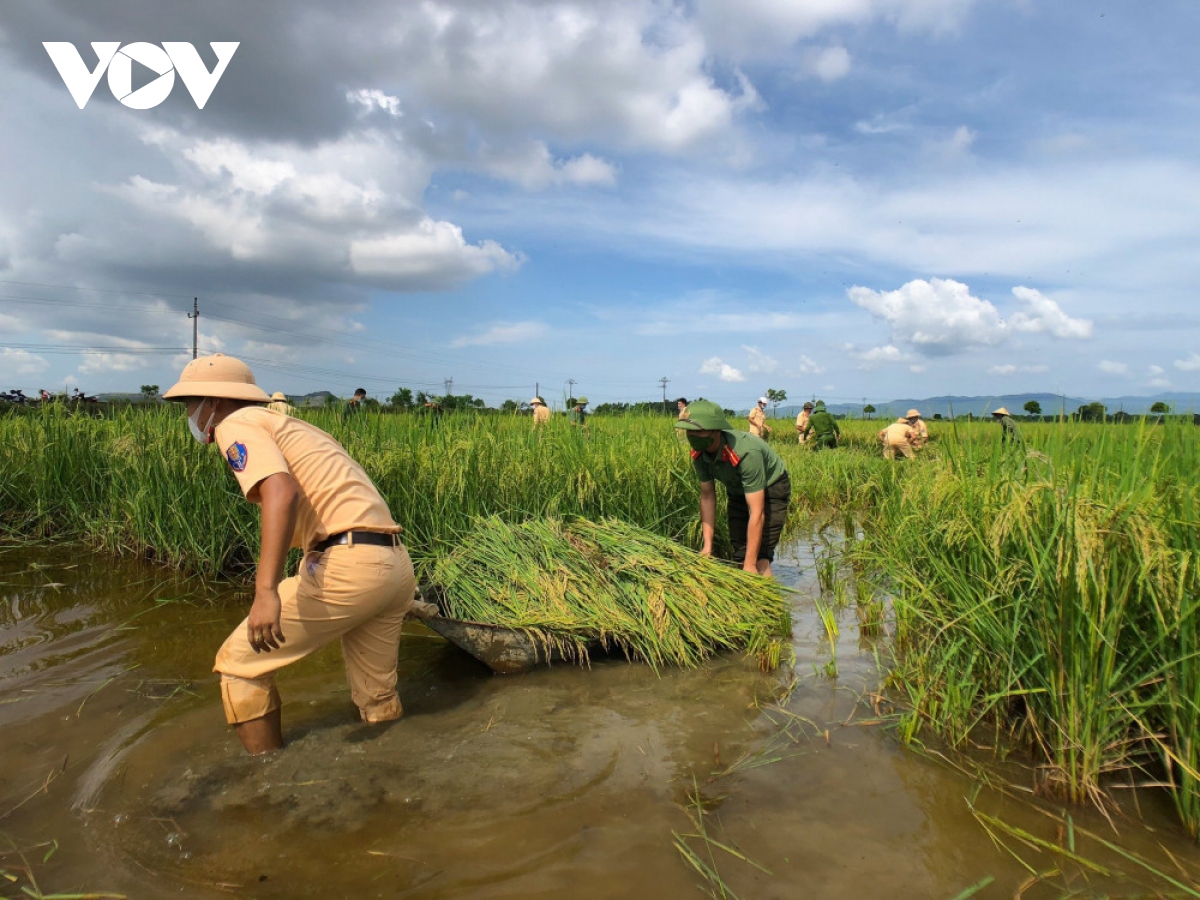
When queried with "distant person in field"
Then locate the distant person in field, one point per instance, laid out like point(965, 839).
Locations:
point(822, 430)
point(758, 420)
point(578, 415)
point(279, 403)
point(355, 404)
point(355, 581)
point(541, 412)
point(681, 405)
point(802, 420)
point(1008, 428)
point(756, 484)
point(898, 440)
point(918, 425)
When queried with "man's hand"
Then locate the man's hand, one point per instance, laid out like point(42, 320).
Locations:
point(263, 628)
point(751, 567)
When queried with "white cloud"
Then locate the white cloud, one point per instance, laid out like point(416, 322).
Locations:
point(22, 362)
point(1191, 364)
point(806, 366)
point(503, 333)
point(940, 316)
point(371, 99)
point(532, 166)
point(877, 356)
point(96, 363)
point(1047, 317)
point(1011, 369)
point(1157, 377)
point(758, 362)
point(1113, 368)
point(724, 371)
point(828, 64)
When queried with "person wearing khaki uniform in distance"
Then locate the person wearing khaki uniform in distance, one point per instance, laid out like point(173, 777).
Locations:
point(541, 412)
point(682, 405)
point(758, 420)
point(898, 440)
point(355, 581)
point(920, 429)
point(279, 403)
point(802, 420)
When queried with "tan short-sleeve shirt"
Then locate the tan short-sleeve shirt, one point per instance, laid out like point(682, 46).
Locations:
point(897, 434)
point(336, 495)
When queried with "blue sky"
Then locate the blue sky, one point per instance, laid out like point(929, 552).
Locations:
point(852, 199)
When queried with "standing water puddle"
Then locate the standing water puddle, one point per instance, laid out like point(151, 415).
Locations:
point(117, 773)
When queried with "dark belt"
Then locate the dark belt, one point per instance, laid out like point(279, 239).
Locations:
point(358, 537)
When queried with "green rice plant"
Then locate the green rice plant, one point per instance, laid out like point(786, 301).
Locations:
point(830, 622)
point(572, 583)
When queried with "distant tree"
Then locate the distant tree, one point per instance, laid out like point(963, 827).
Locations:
point(149, 392)
point(402, 399)
point(868, 410)
point(1033, 407)
point(776, 397)
point(937, 416)
point(510, 406)
point(1091, 412)
point(422, 399)
point(1159, 408)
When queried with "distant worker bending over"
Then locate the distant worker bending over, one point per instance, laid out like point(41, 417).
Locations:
point(822, 430)
point(756, 482)
point(898, 440)
point(355, 581)
point(758, 419)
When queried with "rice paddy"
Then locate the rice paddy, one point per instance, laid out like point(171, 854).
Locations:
point(1042, 597)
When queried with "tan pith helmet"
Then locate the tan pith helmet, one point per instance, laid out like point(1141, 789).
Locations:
point(536, 400)
point(217, 376)
point(1000, 412)
point(912, 414)
point(279, 395)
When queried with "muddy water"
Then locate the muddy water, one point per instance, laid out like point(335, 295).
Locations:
point(115, 763)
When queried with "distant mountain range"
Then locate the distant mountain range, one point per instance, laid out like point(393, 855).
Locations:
point(1052, 404)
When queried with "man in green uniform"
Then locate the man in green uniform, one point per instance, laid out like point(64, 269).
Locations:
point(578, 414)
point(823, 427)
point(755, 478)
point(1008, 428)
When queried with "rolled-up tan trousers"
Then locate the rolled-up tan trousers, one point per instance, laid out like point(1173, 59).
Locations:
point(359, 593)
point(891, 451)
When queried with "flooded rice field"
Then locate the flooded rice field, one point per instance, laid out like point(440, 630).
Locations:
point(118, 775)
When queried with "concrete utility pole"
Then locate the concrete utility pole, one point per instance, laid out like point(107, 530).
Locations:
point(571, 385)
point(665, 381)
point(194, 315)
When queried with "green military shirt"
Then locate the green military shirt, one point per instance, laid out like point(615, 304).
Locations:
point(745, 463)
point(1009, 430)
point(822, 423)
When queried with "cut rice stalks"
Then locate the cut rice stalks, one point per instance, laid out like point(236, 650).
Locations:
point(571, 584)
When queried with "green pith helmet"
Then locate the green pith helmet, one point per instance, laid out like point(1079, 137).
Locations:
point(704, 415)
point(820, 407)
point(581, 401)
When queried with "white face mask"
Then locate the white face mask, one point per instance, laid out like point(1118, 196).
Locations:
point(202, 433)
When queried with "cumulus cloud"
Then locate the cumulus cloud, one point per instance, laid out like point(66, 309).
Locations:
point(806, 366)
point(1156, 377)
point(875, 357)
point(714, 366)
point(828, 64)
point(532, 166)
point(940, 317)
point(503, 333)
point(1113, 368)
point(1191, 364)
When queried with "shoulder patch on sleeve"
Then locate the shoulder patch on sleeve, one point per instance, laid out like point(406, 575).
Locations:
point(237, 456)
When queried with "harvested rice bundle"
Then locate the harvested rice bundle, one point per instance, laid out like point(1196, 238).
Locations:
point(574, 583)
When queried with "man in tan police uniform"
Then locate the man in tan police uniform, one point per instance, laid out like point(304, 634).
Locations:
point(920, 429)
point(758, 419)
point(541, 412)
point(898, 439)
point(355, 581)
point(279, 403)
point(802, 420)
